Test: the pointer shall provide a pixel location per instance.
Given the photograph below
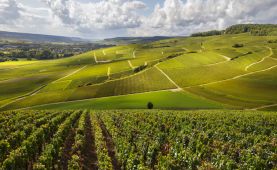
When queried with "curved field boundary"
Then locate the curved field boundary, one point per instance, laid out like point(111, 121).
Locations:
point(263, 107)
point(175, 84)
point(268, 56)
point(187, 50)
point(23, 96)
point(130, 64)
point(100, 61)
point(70, 74)
point(36, 91)
point(227, 59)
point(109, 72)
point(95, 58)
point(233, 78)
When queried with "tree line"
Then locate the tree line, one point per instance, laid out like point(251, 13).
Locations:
point(253, 29)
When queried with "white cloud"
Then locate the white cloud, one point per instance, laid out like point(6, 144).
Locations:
point(105, 14)
point(9, 11)
point(111, 18)
point(183, 17)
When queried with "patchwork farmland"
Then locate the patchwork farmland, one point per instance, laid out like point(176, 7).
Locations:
point(211, 104)
point(208, 69)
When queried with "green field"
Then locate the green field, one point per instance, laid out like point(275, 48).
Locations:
point(161, 100)
point(204, 72)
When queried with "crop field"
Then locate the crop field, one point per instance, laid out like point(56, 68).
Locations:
point(137, 139)
point(210, 68)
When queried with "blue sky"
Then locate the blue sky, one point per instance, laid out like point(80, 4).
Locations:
point(97, 19)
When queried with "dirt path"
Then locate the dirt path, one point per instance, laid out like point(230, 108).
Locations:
point(110, 145)
point(227, 59)
point(95, 58)
point(263, 107)
point(175, 84)
point(100, 61)
point(70, 74)
point(109, 72)
point(24, 96)
point(221, 62)
point(67, 151)
point(187, 50)
point(233, 78)
point(36, 91)
point(130, 64)
point(268, 56)
point(89, 154)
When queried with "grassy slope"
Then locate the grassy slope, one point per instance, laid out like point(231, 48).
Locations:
point(162, 100)
point(109, 72)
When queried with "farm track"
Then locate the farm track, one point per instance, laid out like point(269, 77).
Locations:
point(23, 96)
point(268, 56)
point(263, 107)
point(130, 64)
point(67, 150)
point(234, 78)
point(187, 50)
point(36, 91)
point(227, 59)
point(89, 153)
point(100, 61)
point(109, 72)
point(178, 87)
point(110, 145)
point(74, 72)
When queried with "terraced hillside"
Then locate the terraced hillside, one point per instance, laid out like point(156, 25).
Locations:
point(137, 139)
point(234, 71)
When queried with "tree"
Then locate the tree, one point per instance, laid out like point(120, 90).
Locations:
point(45, 54)
point(238, 45)
point(150, 105)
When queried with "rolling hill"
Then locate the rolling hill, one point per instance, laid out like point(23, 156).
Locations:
point(132, 40)
point(89, 111)
point(38, 38)
point(177, 73)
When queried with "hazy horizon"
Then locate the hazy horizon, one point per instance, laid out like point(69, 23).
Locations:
point(99, 19)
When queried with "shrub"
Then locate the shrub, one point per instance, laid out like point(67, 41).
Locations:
point(150, 105)
point(272, 41)
point(238, 45)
